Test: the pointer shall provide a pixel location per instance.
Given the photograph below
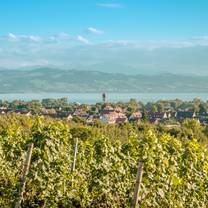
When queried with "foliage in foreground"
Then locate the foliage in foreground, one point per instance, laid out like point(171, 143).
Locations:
point(175, 171)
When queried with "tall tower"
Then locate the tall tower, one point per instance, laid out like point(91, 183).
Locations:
point(104, 97)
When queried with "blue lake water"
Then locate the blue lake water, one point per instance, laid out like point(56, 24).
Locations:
point(90, 98)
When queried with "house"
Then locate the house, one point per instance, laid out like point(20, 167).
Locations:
point(113, 117)
point(47, 111)
point(108, 109)
point(135, 117)
point(108, 115)
point(90, 119)
point(157, 115)
point(3, 108)
point(109, 118)
point(67, 116)
point(63, 115)
point(4, 111)
point(23, 112)
point(81, 113)
point(182, 115)
point(122, 119)
point(173, 114)
point(203, 117)
point(118, 110)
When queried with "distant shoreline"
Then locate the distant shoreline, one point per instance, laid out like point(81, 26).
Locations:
point(90, 98)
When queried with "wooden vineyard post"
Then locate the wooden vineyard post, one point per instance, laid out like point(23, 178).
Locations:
point(74, 160)
point(137, 185)
point(75, 155)
point(25, 170)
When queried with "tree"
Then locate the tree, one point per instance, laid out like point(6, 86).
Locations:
point(160, 107)
point(145, 115)
point(202, 108)
point(34, 106)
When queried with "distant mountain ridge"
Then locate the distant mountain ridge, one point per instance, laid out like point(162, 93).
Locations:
point(74, 81)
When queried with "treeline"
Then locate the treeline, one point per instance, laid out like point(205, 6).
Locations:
point(196, 105)
point(175, 168)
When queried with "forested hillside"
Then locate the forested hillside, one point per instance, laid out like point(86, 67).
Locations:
point(54, 80)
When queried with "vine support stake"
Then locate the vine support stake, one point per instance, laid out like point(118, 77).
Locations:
point(137, 185)
point(75, 155)
point(25, 170)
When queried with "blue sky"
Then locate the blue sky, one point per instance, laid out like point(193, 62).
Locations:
point(122, 19)
point(62, 26)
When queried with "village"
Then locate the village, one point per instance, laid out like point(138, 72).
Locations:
point(105, 112)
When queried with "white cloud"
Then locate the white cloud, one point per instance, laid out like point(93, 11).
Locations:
point(60, 36)
point(152, 45)
point(94, 31)
point(63, 35)
point(201, 38)
point(18, 38)
point(76, 52)
point(12, 37)
point(63, 40)
point(110, 5)
point(82, 39)
point(34, 38)
point(30, 63)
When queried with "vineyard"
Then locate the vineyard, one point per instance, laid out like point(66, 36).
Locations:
point(175, 171)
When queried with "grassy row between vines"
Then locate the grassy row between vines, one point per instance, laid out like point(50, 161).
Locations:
point(175, 170)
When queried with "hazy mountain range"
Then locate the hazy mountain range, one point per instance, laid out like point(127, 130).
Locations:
point(187, 57)
point(66, 81)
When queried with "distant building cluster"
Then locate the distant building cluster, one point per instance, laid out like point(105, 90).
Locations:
point(116, 115)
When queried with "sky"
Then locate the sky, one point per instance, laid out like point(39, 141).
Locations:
point(127, 36)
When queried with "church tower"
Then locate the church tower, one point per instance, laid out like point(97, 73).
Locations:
point(104, 97)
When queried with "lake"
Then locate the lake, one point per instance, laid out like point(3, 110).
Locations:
point(90, 98)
